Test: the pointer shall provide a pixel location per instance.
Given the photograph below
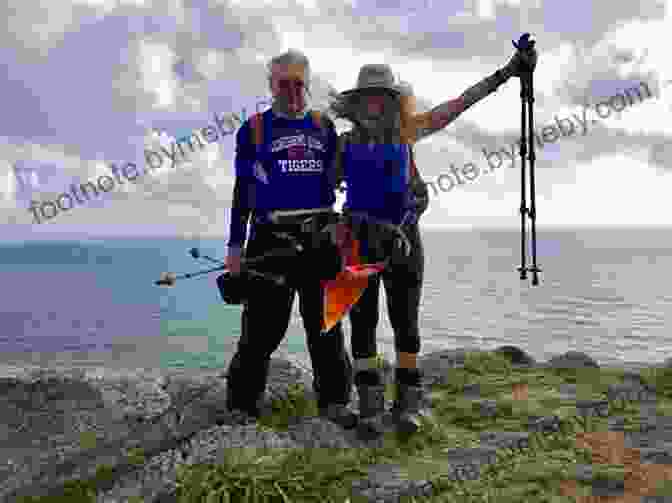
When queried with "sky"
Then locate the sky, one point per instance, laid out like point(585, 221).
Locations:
point(89, 84)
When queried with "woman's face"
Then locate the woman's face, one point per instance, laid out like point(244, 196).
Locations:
point(375, 104)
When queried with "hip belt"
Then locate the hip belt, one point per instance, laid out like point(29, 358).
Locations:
point(308, 231)
point(311, 233)
point(379, 233)
point(295, 224)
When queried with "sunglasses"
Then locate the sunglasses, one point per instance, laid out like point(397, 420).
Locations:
point(291, 84)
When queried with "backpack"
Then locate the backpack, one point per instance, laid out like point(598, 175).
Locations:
point(418, 187)
point(257, 129)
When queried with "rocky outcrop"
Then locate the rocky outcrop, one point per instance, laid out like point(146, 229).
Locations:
point(61, 424)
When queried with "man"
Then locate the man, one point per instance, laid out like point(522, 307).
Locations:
point(383, 113)
point(290, 168)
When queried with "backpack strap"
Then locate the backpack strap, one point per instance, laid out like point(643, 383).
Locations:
point(341, 144)
point(317, 119)
point(413, 167)
point(257, 129)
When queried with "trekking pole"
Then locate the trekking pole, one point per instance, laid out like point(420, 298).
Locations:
point(168, 279)
point(523, 199)
point(196, 253)
point(527, 119)
point(533, 210)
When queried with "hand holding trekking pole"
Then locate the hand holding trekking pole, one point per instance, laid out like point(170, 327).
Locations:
point(522, 65)
point(233, 262)
point(524, 60)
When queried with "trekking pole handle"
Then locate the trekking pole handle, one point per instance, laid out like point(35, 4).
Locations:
point(524, 44)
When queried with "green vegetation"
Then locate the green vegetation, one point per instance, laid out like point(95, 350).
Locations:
point(531, 474)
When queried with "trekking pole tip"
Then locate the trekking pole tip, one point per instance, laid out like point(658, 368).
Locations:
point(523, 272)
point(166, 279)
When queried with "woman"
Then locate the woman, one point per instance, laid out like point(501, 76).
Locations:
point(284, 163)
point(385, 128)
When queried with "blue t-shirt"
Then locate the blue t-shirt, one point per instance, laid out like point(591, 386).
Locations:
point(377, 177)
point(292, 169)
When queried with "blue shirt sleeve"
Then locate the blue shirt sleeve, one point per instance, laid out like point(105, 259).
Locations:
point(241, 207)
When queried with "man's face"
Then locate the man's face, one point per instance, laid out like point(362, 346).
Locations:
point(288, 86)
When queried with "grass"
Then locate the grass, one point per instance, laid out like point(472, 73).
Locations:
point(537, 473)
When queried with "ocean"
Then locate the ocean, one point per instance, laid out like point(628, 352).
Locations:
point(94, 303)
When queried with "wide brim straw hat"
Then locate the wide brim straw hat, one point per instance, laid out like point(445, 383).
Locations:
point(374, 76)
point(380, 77)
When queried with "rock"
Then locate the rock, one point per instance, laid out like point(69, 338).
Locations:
point(118, 409)
point(471, 390)
point(210, 445)
point(590, 408)
point(631, 392)
point(435, 365)
point(584, 472)
point(616, 423)
point(506, 439)
point(544, 424)
point(488, 408)
point(634, 379)
point(32, 391)
point(567, 391)
point(572, 360)
point(156, 479)
point(656, 499)
point(516, 355)
point(608, 487)
point(388, 483)
point(464, 472)
point(45, 414)
point(318, 432)
point(463, 456)
point(661, 454)
point(639, 440)
point(111, 406)
point(136, 396)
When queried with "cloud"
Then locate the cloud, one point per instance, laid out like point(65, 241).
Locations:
point(87, 83)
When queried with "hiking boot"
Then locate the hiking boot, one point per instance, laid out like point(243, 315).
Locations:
point(371, 411)
point(339, 414)
point(408, 408)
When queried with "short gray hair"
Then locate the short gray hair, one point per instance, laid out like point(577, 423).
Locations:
point(290, 57)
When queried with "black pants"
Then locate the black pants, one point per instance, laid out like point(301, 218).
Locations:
point(265, 319)
point(403, 288)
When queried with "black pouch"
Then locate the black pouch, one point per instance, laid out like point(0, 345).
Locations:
point(321, 257)
point(233, 288)
point(376, 241)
